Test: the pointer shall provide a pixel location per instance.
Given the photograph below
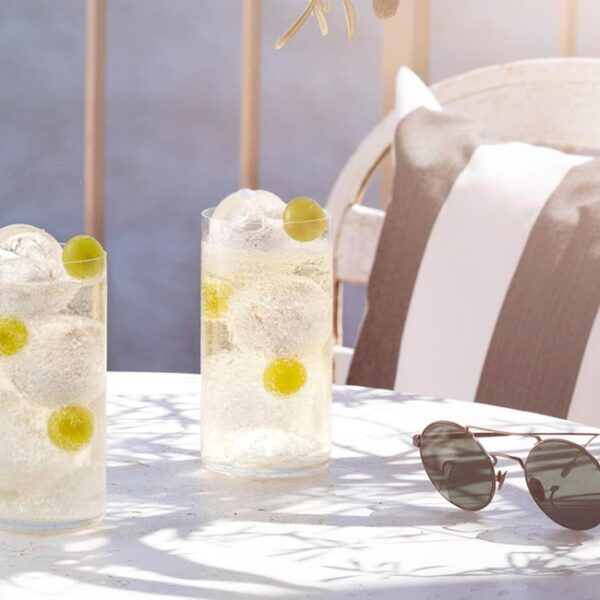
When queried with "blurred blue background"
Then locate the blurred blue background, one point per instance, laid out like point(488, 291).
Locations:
point(173, 78)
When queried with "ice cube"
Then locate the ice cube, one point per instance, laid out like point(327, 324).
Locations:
point(26, 300)
point(249, 205)
point(271, 204)
point(315, 266)
point(64, 361)
point(78, 483)
point(249, 219)
point(28, 459)
point(29, 255)
point(280, 316)
point(32, 278)
point(89, 298)
point(234, 400)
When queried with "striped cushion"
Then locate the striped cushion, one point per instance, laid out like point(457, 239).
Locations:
point(486, 283)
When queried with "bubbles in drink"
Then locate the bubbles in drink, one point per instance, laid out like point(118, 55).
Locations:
point(266, 338)
point(63, 361)
point(280, 316)
point(269, 446)
point(29, 462)
point(52, 381)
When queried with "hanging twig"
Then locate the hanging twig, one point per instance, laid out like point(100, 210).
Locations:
point(296, 26)
point(350, 18)
point(319, 11)
point(319, 8)
point(384, 9)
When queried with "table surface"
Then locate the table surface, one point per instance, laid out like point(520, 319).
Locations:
point(373, 526)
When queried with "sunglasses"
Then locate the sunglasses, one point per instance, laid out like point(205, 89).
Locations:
point(562, 477)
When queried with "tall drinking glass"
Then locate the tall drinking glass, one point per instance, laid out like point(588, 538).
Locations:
point(266, 347)
point(52, 383)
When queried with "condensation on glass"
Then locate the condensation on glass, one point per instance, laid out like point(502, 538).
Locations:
point(52, 399)
point(266, 350)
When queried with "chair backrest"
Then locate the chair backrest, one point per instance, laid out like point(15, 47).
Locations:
point(552, 102)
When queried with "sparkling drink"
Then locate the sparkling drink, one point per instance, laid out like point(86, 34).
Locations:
point(266, 336)
point(52, 380)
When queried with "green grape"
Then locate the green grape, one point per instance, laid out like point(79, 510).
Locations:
point(13, 335)
point(304, 220)
point(284, 376)
point(71, 427)
point(83, 257)
point(215, 299)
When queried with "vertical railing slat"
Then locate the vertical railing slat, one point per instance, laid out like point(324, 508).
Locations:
point(95, 68)
point(568, 27)
point(250, 95)
point(405, 41)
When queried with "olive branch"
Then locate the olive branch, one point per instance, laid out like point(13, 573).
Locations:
point(384, 9)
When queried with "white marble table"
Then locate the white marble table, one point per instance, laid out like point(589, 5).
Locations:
point(373, 527)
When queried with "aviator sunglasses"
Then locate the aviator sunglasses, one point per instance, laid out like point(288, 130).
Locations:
point(562, 477)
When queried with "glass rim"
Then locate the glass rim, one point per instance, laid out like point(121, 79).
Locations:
point(207, 215)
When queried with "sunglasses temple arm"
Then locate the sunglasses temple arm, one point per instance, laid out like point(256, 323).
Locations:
point(483, 432)
point(416, 440)
point(488, 433)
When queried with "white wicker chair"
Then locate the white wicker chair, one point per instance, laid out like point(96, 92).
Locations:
point(551, 101)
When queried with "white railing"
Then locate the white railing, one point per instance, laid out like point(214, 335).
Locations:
point(405, 41)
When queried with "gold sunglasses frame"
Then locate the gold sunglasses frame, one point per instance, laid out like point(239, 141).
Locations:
point(498, 477)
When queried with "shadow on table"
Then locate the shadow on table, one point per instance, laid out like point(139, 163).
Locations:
point(156, 507)
point(459, 587)
point(169, 523)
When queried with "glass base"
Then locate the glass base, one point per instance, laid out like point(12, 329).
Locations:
point(48, 526)
point(299, 469)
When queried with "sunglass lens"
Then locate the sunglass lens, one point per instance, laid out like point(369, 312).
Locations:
point(457, 465)
point(564, 480)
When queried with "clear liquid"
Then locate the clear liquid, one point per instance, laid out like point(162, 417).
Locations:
point(272, 305)
point(43, 486)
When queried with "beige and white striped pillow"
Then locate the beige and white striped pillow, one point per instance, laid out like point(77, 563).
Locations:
point(486, 283)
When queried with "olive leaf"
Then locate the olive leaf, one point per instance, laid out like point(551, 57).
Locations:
point(319, 12)
point(350, 18)
point(385, 9)
point(296, 26)
point(319, 9)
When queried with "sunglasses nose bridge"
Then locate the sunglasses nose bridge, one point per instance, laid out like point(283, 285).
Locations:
point(494, 456)
point(501, 478)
